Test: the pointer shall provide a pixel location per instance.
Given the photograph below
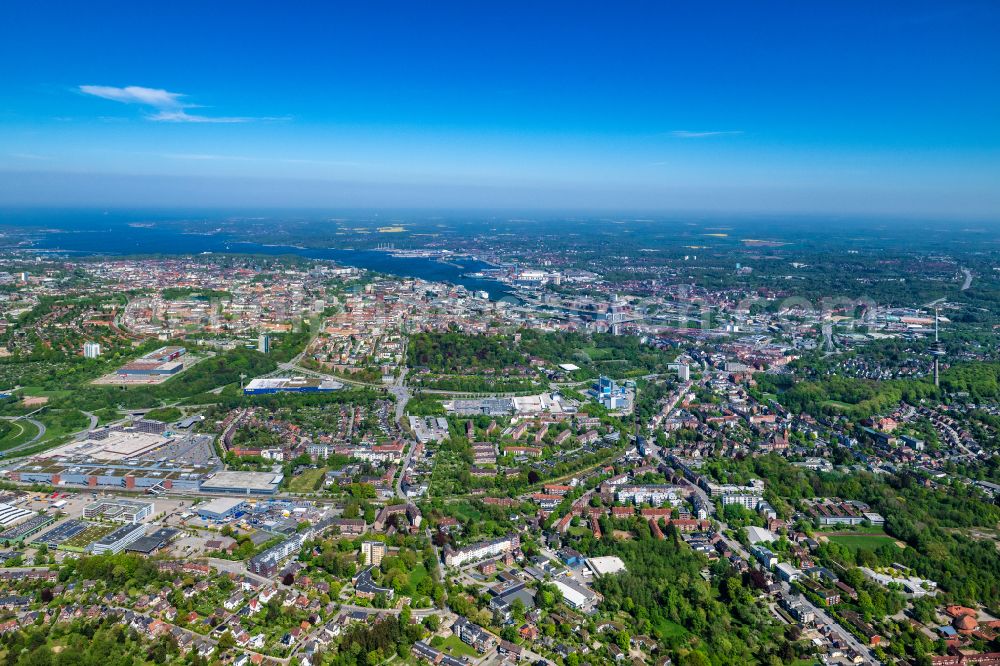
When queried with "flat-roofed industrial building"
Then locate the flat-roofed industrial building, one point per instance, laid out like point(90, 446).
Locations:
point(119, 510)
point(269, 385)
point(243, 483)
point(220, 508)
point(117, 541)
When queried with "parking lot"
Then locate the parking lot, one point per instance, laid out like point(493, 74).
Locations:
point(61, 533)
point(194, 450)
point(74, 502)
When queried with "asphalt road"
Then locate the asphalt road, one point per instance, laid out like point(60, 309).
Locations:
point(33, 440)
point(823, 618)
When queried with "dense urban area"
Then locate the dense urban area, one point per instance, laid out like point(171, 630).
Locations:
point(618, 442)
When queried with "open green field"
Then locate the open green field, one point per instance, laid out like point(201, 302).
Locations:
point(667, 630)
point(853, 529)
point(165, 414)
point(467, 512)
point(18, 433)
point(106, 415)
point(307, 481)
point(415, 576)
point(454, 646)
point(418, 574)
point(38, 391)
point(858, 542)
point(36, 448)
point(60, 423)
point(596, 354)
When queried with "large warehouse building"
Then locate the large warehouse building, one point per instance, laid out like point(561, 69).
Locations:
point(221, 508)
point(163, 361)
point(10, 515)
point(269, 385)
point(243, 483)
point(126, 458)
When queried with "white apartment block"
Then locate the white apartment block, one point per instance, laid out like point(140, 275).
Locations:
point(481, 550)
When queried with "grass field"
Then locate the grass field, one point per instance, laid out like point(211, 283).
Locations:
point(417, 575)
point(854, 529)
point(307, 481)
point(667, 630)
point(596, 354)
point(20, 432)
point(38, 391)
point(467, 512)
point(858, 542)
point(165, 414)
point(106, 415)
point(36, 448)
point(454, 646)
point(60, 423)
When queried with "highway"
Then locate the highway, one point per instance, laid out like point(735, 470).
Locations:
point(23, 445)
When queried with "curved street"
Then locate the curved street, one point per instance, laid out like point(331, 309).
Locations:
point(24, 445)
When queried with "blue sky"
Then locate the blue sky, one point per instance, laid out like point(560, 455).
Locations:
point(838, 107)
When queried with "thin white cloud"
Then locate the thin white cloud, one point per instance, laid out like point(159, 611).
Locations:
point(686, 134)
point(182, 116)
point(169, 107)
point(157, 97)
